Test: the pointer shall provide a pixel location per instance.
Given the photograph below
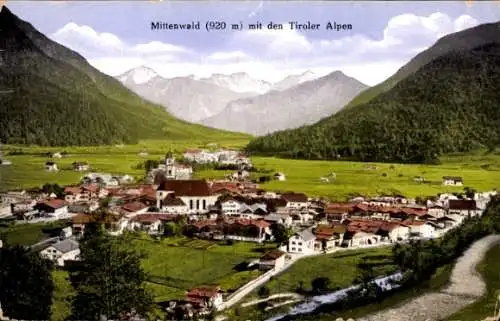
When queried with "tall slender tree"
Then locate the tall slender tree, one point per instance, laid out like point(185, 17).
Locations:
point(109, 280)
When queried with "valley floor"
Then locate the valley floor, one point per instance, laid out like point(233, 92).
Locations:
point(480, 171)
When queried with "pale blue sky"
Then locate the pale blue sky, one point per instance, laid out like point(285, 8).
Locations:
point(118, 37)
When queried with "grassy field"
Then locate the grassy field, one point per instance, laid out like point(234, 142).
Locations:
point(28, 234)
point(481, 172)
point(339, 267)
point(175, 265)
point(490, 270)
point(27, 169)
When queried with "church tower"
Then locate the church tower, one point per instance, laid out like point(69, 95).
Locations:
point(170, 165)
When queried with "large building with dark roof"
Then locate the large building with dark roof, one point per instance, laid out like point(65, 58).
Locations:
point(196, 194)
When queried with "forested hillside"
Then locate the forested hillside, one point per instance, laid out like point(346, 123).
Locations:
point(50, 95)
point(449, 105)
point(463, 40)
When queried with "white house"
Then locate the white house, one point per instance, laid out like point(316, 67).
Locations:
point(230, 207)
point(279, 176)
point(421, 229)
point(453, 181)
point(176, 171)
point(53, 207)
point(196, 194)
point(56, 155)
point(5, 162)
point(463, 207)
point(295, 200)
point(62, 251)
point(360, 238)
point(80, 166)
point(302, 242)
point(274, 259)
point(51, 166)
point(397, 232)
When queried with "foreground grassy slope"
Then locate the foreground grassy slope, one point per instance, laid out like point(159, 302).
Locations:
point(464, 40)
point(58, 99)
point(449, 105)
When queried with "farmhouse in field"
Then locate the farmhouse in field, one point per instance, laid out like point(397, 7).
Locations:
point(279, 176)
point(51, 166)
point(5, 162)
point(56, 155)
point(274, 259)
point(453, 181)
point(80, 166)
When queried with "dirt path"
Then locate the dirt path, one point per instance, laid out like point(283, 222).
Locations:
point(466, 286)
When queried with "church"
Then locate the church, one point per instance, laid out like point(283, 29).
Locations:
point(174, 170)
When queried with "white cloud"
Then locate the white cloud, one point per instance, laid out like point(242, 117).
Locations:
point(271, 54)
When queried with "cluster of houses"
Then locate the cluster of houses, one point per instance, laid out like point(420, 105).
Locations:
point(222, 157)
point(237, 210)
point(51, 166)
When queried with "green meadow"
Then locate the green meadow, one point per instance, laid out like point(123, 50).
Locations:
point(479, 170)
point(174, 265)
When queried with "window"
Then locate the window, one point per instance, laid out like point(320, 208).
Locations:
point(293, 249)
point(293, 242)
point(300, 243)
point(197, 204)
point(204, 204)
point(300, 250)
point(191, 204)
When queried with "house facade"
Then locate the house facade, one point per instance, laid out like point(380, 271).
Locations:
point(463, 207)
point(51, 166)
point(453, 181)
point(53, 207)
point(295, 200)
point(205, 296)
point(274, 259)
point(302, 242)
point(80, 166)
point(196, 194)
point(67, 250)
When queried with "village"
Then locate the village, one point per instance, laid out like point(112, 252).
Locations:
point(234, 209)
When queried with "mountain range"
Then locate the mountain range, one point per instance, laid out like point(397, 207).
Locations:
point(52, 96)
point(241, 103)
point(444, 100)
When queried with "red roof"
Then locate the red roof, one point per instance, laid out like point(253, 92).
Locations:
point(82, 219)
point(172, 200)
point(272, 255)
point(295, 197)
point(151, 218)
point(258, 223)
point(54, 203)
point(93, 188)
point(186, 187)
point(204, 292)
point(462, 205)
point(73, 190)
point(134, 206)
point(201, 224)
point(339, 208)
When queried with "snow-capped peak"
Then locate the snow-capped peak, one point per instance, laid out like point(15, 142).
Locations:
point(239, 82)
point(139, 75)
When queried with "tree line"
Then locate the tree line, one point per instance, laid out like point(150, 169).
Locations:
point(449, 105)
point(108, 280)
